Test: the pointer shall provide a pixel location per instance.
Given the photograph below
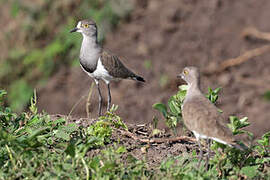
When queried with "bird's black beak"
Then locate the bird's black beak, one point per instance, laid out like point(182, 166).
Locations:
point(74, 30)
point(180, 75)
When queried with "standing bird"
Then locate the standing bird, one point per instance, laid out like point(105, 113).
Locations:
point(98, 63)
point(201, 116)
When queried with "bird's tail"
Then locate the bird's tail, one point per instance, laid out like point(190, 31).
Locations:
point(138, 78)
point(239, 145)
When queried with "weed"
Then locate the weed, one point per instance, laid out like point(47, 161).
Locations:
point(36, 146)
point(227, 162)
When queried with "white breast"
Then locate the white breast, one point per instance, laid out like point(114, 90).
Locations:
point(101, 73)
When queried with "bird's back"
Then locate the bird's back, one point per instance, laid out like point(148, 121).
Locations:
point(201, 116)
point(116, 68)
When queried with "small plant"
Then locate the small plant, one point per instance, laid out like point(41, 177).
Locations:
point(212, 95)
point(37, 146)
point(229, 162)
point(33, 104)
point(237, 124)
point(263, 146)
point(173, 115)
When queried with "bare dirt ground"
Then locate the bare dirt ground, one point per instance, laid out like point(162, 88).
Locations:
point(140, 142)
point(169, 35)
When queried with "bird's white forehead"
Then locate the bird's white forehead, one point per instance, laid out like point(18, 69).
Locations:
point(79, 24)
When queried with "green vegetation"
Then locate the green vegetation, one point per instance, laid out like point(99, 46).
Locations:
point(267, 95)
point(37, 146)
point(173, 115)
point(229, 163)
point(39, 42)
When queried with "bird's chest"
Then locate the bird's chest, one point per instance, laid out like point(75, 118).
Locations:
point(99, 72)
point(89, 55)
point(193, 114)
point(89, 68)
point(187, 116)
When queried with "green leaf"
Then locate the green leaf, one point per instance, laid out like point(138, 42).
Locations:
point(36, 133)
point(212, 95)
point(62, 135)
point(181, 95)
point(34, 120)
point(121, 150)
point(59, 121)
point(70, 127)
point(33, 102)
point(19, 94)
point(216, 91)
point(183, 87)
point(249, 171)
point(70, 150)
point(173, 106)
point(161, 108)
point(243, 122)
point(2, 93)
point(266, 95)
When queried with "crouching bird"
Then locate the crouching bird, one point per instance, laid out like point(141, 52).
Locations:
point(99, 64)
point(202, 117)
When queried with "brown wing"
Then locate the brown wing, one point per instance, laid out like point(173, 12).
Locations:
point(115, 67)
point(202, 116)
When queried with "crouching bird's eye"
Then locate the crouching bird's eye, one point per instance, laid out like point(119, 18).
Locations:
point(185, 72)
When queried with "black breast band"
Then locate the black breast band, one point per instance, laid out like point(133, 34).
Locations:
point(87, 69)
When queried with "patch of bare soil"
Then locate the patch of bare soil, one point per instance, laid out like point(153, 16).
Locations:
point(169, 35)
point(140, 142)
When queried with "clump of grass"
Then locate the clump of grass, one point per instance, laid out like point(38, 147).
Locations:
point(36, 146)
point(227, 162)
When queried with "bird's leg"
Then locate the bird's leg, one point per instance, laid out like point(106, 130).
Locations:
point(208, 141)
point(109, 97)
point(201, 153)
point(99, 98)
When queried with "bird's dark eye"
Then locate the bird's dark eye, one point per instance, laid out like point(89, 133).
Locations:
point(85, 25)
point(186, 72)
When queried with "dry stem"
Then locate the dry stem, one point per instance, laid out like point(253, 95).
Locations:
point(155, 140)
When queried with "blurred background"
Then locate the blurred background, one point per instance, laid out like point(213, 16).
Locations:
point(154, 38)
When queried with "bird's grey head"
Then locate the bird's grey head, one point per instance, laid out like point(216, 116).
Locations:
point(191, 75)
point(87, 27)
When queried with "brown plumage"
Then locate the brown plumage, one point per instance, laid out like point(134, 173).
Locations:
point(201, 116)
point(116, 68)
point(99, 64)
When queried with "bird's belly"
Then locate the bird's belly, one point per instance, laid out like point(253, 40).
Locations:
point(101, 73)
point(201, 136)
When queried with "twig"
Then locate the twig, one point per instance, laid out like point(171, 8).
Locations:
point(253, 33)
point(155, 140)
point(239, 60)
point(88, 100)
point(246, 56)
point(75, 105)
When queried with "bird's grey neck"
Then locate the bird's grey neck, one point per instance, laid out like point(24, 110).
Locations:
point(90, 50)
point(90, 43)
point(193, 90)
